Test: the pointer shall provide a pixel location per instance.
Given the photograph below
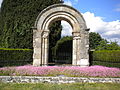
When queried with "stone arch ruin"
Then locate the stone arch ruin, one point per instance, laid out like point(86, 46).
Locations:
point(80, 34)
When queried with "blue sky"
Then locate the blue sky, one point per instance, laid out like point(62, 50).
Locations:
point(109, 9)
point(102, 16)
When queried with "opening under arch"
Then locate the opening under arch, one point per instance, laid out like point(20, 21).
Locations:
point(60, 43)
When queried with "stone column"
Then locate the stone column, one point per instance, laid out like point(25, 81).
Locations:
point(76, 48)
point(37, 47)
point(85, 54)
point(74, 62)
point(45, 47)
point(84, 61)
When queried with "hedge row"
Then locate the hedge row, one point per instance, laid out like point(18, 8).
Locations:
point(109, 58)
point(15, 57)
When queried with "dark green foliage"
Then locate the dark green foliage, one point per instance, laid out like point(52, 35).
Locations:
point(17, 17)
point(104, 45)
point(55, 33)
point(15, 57)
point(63, 50)
point(94, 39)
point(54, 36)
point(98, 43)
point(109, 58)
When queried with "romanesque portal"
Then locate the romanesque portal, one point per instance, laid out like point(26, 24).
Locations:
point(80, 34)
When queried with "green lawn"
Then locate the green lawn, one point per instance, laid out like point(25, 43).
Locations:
point(46, 86)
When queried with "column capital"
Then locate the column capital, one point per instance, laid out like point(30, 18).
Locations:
point(76, 35)
point(45, 33)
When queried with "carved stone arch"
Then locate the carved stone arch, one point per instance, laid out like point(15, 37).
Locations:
point(79, 31)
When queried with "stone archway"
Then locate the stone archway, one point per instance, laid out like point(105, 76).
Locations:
point(41, 31)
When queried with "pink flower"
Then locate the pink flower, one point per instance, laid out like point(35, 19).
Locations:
point(92, 71)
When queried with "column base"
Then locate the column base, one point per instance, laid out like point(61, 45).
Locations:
point(84, 62)
point(36, 62)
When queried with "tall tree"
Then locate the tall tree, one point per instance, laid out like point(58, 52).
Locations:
point(17, 17)
point(98, 43)
point(105, 45)
point(54, 36)
point(94, 39)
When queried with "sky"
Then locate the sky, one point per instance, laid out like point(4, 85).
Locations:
point(0, 2)
point(102, 16)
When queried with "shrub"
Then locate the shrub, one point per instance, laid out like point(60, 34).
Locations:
point(109, 58)
point(63, 50)
point(15, 57)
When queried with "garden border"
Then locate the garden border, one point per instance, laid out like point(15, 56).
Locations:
point(58, 79)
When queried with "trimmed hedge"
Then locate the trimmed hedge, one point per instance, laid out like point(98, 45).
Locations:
point(110, 58)
point(15, 57)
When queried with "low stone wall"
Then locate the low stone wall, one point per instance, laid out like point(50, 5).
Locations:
point(38, 79)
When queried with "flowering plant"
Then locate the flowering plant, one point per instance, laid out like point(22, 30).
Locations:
point(72, 71)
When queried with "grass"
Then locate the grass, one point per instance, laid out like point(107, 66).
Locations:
point(46, 86)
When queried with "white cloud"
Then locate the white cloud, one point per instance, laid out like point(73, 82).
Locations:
point(67, 29)
point(68, 2)
point(108, 30)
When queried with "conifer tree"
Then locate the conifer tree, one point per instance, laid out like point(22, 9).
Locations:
point(16, 19)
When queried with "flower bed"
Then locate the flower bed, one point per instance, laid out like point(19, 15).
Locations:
point(70, 71)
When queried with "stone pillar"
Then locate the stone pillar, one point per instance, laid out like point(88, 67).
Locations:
point(37, 47)
point(45, 47)
point(76, 48)
point(85, 53)
point(84, 60)
point(74, 62)
point(80, 55)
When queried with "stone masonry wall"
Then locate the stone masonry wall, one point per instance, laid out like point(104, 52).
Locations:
point(60, 79)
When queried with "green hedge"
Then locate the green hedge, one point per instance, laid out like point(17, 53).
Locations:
point(109, 58)
point(15, 57)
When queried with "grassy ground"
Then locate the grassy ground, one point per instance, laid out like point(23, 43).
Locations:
point(76, 86)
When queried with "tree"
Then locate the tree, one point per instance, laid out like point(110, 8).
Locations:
point(17, 18)
point(113, 46)
point(102, 45)
point(54, 36)
point(94, 39)
point(98, 43)
point(63, 50)
point(105, 45)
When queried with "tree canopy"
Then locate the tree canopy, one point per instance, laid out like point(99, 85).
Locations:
point(94, 39)
point(16, 19)
point(99, 43)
